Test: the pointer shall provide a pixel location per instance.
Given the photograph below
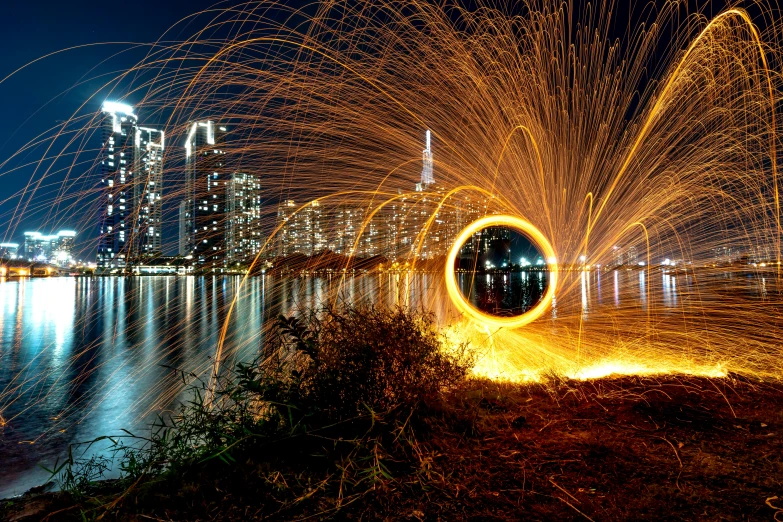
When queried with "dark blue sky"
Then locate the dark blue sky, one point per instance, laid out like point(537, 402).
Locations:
point(30, 29)
point(32, 100)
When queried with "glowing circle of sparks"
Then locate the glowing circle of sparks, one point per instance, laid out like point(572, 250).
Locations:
point(538, 240)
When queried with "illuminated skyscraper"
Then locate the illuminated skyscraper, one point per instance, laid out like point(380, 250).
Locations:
point(346, 221)
point(632, 256)
point(288, 235)
point(395, 229)
point(37, 247)
point(117, 160)
point(302, 230)
point(617, 255)
point(182, 238)
point(427, 176)
point(373, 234)
point(315, 227)
point(9, 250)
point(206, 185)
point(243, 231)
point(132, 179)
point(62, 247)
point(147, 192)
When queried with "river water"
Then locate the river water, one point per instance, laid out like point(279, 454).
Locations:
point(85, 357)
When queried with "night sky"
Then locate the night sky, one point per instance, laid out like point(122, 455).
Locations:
point(45, 93)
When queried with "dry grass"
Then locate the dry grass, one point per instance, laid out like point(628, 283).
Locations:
point(612, 449)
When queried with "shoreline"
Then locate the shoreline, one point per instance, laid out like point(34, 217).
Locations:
point(618, 448)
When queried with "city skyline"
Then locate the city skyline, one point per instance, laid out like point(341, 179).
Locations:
point(133, 177)
point(219, 215)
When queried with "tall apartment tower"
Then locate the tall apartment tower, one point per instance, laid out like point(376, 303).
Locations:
point(117, 162)
point(206, 184)
point(148, 189)
point(288, 233)
point(347, 220)
point(315, 229)
point(243, 227)
point(182, 237)
point(302, 230)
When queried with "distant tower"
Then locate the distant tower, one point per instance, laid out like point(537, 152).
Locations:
point(206, 186)
point(35, 246)
point(182, 243)
point(62, 247)
point(147, 191)
point(243, 218)
point(302, 230)
point(117, 163)
point(9, 250)
point(427, 177)
point(288, 233)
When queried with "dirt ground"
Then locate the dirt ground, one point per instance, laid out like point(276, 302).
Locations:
point(675, 448)
point(626, 449)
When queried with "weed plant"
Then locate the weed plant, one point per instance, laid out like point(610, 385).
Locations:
point(334, 404)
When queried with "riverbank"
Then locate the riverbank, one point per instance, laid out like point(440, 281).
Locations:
point(613, 449)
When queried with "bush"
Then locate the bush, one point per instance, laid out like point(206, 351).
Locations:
point(342, 363)
point(337, 391)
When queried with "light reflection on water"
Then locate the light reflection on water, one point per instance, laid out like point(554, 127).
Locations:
point(84, 357)
point(503, 293)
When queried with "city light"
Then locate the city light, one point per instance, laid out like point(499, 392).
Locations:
point(281, 163)
point(45, 248)
point(118, 107)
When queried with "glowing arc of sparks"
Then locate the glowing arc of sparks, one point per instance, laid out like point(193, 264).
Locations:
point(529, 230)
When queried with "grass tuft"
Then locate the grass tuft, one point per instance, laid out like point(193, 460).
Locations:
point(339, 393)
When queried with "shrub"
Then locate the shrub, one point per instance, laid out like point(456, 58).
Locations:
point(342, 363)
point(342, 384)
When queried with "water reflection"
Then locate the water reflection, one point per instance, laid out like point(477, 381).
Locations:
point(505, 293)
point(501, 271)
point(83, 357)
point(80, 357)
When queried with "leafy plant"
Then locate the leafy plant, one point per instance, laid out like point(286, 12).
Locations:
point(336, 390)
point(76, 475)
